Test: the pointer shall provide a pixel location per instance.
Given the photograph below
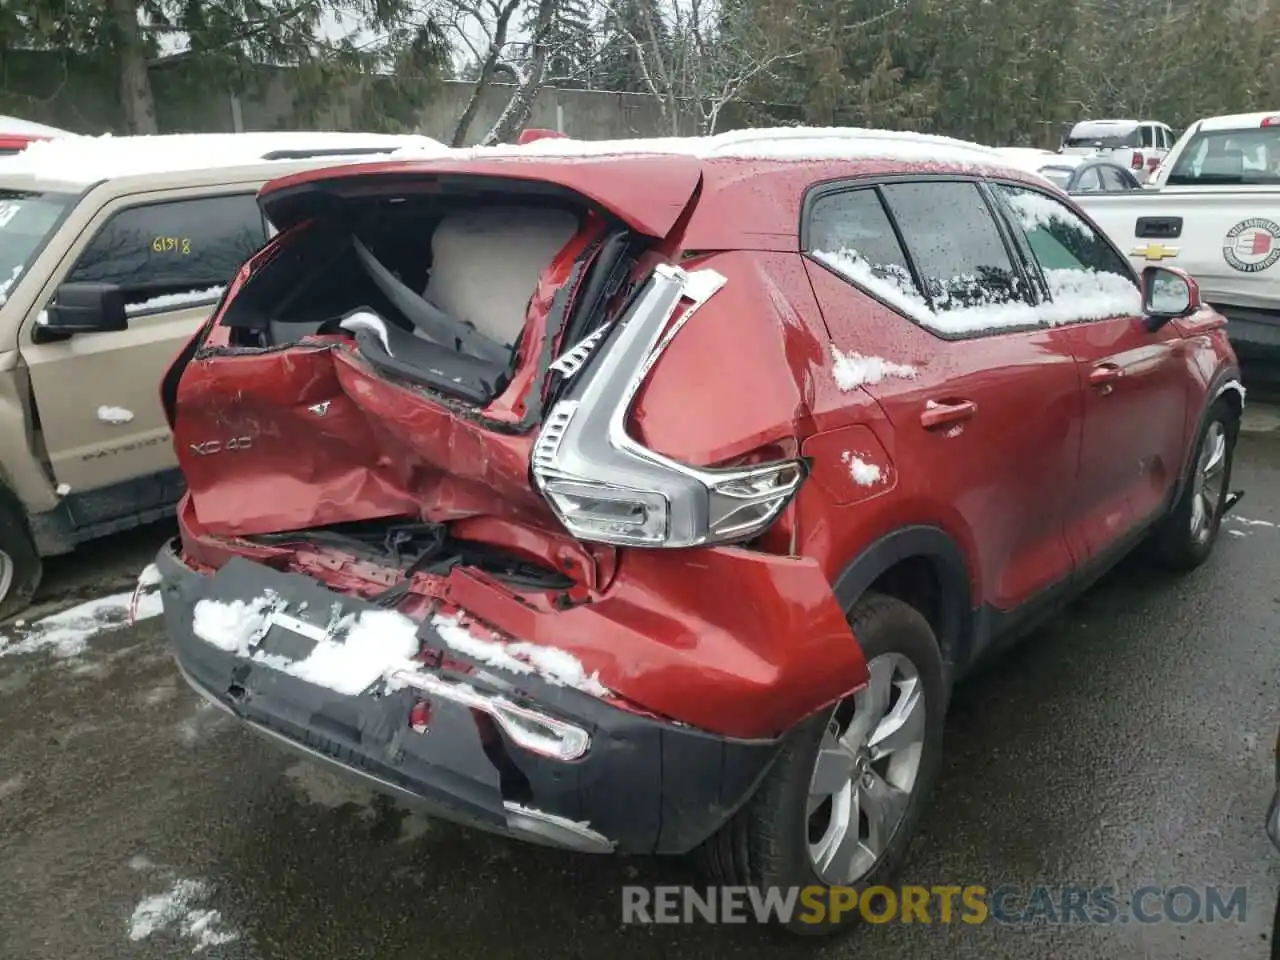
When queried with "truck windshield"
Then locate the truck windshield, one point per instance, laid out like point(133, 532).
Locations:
point(26, 220)
point(1229, 156)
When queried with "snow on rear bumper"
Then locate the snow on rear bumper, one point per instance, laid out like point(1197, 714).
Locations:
point(641, 785)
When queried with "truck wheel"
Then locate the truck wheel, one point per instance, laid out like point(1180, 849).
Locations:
point(1186, 537)
point(20, 566)
point(841, 803)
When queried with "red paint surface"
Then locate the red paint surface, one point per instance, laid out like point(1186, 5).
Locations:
point(1045, 469)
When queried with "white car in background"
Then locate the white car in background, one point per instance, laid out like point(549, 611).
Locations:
point(1139, 145)
point(1084, 173)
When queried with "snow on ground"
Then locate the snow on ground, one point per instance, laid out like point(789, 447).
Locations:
point(178, 911)
point(1233, 518)
point(852, 370)
point(359, 650)
point(171, 300)
point(116, 415)
point(67, 633)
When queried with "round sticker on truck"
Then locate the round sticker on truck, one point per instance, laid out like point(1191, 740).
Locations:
point(1252, 245)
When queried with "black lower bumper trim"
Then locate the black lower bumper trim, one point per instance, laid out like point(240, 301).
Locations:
point(643, 786)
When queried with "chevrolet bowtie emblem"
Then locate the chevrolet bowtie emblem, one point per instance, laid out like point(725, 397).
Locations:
point(1154, 251)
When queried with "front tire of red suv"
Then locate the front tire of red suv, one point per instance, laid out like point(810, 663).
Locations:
point(841, 803)
point(1186, 537)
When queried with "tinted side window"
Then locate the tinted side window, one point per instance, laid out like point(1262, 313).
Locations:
point(1060, 240)
point(1113, 179)
point(955, 244)
point(173, 247)
point(1087, 182)
point(1148, 136)
point(851, 233)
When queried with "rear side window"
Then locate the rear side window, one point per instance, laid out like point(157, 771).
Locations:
point(851, 233)
point(1114, 179)
point(173, 253)
point(955, 244)
point(1089, 181)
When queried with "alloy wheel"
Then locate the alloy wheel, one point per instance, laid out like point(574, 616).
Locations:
point(6, 574)
point(1210, 475)
point(865, 771)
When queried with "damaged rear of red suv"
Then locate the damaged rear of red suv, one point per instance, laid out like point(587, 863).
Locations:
point(522, 485)
point(425, 537)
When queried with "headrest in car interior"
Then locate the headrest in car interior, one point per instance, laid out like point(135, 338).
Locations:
point(485, 264)
point(1228, 163)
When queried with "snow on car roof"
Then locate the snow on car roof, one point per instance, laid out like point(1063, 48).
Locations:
point(16, 125)
point(1237, 121)
point(781, 143)
point(85, 160)
point(1086, 127)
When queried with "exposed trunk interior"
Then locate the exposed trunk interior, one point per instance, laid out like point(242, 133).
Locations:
point(458, 299)
point(434, 287)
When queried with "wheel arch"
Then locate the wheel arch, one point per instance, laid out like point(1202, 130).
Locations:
point(1225, 385)
point(895, 565)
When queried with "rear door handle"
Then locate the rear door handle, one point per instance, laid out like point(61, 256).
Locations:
point(945, 413)
point(1105, 374)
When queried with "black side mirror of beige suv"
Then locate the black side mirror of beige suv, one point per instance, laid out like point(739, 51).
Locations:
point(83, 308)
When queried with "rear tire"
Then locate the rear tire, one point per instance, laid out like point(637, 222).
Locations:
point(842, 801)
point(20, 565)
point(1186, 537)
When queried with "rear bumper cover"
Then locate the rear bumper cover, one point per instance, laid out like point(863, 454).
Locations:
point(643, 785)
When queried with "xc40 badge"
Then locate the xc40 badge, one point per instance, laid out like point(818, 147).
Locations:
point(219, 446)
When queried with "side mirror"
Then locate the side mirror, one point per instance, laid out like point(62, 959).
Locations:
point(1167, 294)
point(82, 308)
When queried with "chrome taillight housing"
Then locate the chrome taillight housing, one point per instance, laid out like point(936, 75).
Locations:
point(605, 486)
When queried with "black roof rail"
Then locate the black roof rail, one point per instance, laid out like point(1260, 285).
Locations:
point(327, 152)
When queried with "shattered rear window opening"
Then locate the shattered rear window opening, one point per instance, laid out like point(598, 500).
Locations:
point(432, 291)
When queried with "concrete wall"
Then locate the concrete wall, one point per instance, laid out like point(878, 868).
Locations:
point(45, 88)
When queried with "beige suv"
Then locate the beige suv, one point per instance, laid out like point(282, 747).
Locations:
point(113, 250)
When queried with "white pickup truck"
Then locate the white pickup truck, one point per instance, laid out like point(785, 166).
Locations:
point(1213, 209)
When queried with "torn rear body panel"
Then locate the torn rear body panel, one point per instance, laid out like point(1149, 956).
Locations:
point(442, 398)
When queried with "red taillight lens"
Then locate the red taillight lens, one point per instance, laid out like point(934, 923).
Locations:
point(538, 133)
point(1271, 121)
point(1136, 162)
point(1153, 162)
